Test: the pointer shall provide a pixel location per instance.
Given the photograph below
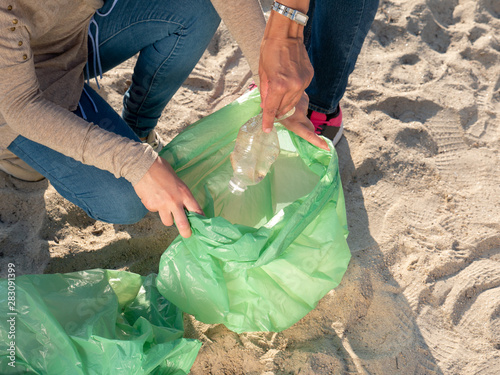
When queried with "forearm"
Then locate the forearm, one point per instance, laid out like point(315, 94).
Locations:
point(246, 23)
point(44, 122)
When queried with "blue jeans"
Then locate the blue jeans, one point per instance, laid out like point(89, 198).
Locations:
point(333, 37)
point(171, 36)
point(100, 194)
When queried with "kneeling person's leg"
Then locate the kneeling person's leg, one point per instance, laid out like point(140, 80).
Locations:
point(101, 195)
point(171, 37)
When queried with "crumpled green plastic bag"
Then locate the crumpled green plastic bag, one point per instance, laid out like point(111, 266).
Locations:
point(92, 322)
point(262, 260)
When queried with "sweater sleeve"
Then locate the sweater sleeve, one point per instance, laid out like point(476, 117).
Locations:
point(246, 23)
point(42, 121)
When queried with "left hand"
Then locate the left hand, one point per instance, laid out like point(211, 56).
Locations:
point(300, 124)
point(162, 191)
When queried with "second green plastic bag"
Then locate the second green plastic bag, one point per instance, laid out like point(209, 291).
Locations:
point(91, 322)
point(262, 260)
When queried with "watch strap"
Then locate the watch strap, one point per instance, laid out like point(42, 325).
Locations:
point(293, 14)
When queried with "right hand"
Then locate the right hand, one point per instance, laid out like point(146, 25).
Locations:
point(160, 190)
point(284, 67)
point(285, 72)
point(299, 124)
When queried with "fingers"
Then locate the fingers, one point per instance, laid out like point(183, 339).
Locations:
point(285, 109)
point(177, 216)
point(166, 217)
point(175, 209)
point(263, 87)
point(193, 206)
point(162, 191)
point(303, 131)
point(271, 105)
point(181, 222)
point(276, 107)
point(299, 124)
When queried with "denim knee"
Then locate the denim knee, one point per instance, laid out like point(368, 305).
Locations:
point(114, 201)
point(197, 25)
point(200, 25)
point(206, 18)
point(123, 210)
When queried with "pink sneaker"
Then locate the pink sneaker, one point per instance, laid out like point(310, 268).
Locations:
point(331, 126)
point(252, 86)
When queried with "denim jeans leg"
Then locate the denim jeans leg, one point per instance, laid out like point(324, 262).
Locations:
point(100, 194)
point(333, 37)
point(171, 37)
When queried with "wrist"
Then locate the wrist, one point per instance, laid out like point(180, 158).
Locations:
point(300, 5)
point(280, 26)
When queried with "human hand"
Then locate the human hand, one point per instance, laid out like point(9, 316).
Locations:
point(160, 190)
point(300, 124)
point(285, 72)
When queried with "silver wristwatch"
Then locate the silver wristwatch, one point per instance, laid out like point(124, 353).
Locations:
point(293, 14)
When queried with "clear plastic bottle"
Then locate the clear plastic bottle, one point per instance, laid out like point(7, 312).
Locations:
point(254, 154)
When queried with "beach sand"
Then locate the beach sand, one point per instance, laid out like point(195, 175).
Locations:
point(420, 167)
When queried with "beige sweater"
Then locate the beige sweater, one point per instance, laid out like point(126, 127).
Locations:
point(43, 51)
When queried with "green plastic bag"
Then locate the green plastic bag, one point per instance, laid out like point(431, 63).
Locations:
point(262, 260)
point(91, 322)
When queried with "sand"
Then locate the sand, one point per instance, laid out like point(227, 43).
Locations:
point(420, 168)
